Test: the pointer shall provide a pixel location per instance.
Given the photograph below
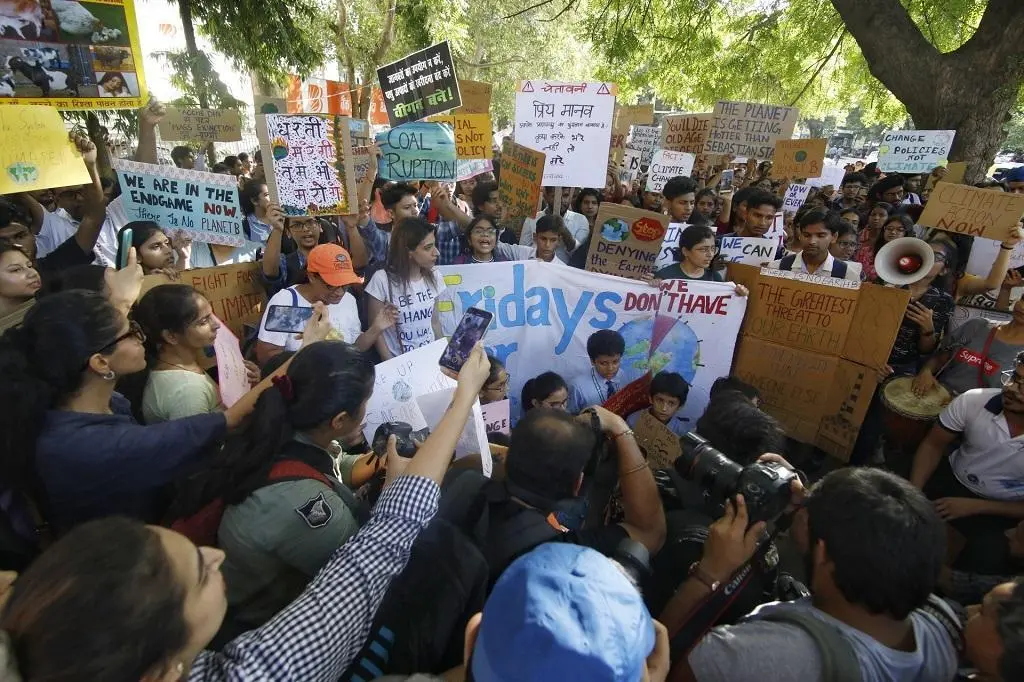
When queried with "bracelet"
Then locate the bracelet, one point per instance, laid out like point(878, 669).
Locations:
point(703, 577)
point(1004, 247)
point(635, 469)
point(627, 432)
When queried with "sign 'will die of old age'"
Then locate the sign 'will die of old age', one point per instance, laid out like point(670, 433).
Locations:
point(420, 84)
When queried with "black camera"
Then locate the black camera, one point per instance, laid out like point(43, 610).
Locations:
point(405, 438)
point(765, 487)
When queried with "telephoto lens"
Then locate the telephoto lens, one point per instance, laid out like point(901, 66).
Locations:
point(634, 559)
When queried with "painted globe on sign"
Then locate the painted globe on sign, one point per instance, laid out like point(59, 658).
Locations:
point(678, 352)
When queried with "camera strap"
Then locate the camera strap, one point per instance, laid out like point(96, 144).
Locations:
point(704, 616)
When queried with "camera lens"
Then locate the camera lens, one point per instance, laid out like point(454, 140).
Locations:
point(706, 466)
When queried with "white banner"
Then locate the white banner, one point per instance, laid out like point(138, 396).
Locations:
point(544, 313)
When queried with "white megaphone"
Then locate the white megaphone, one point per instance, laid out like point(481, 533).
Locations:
point(904, 261)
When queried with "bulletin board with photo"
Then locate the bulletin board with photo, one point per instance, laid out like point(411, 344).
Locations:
point(70, 55)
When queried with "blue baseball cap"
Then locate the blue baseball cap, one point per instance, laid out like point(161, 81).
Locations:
point(563, 612)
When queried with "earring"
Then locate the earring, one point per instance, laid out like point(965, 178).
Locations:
point(179, 669)
point(109, 376)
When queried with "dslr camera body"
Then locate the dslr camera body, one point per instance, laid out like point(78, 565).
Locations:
point(404, 435)
point(765, 487)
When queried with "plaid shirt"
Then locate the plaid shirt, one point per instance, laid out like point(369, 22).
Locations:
point(317, 636)
point(449, 242)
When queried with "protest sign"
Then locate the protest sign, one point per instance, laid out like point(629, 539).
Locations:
point(476, 97)
point(473, 439)
point(472, 134)
point(545, 310)
point(984, 252)
point(658, 443)
point(666, 165)
point(630, 164)
point(830, 176)
point(572, 124)
point(669, 245)
point(420, 84)
point(359, 133)
point(269, 105)
point(973, 211)
point(796, 195)
point(628, 243)
point(417, 151)
point(496, 417)
point(203, 204)
point(812, 346)
point(235, 293)
point(36, 152)
point(777, 232)
point(470, 168)
point(748, 250)
point(913, 151)
point(519, 181)
point(749, 129)
point(625, 116)
point(644, 139)
point(685, 132)
point(206, 125)
point(364, 168)
point(798, 158)
point(232, 378)
point(309, 164)
point(76, 56)
point(955, 172)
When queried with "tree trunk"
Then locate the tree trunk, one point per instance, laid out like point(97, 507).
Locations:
point(970, 90)
point(185, 12)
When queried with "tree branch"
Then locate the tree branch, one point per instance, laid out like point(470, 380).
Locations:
point(488, 65)
point(387, 35)
point(821, 65)
point(531, 7)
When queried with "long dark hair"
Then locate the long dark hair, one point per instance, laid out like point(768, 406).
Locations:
point(947, 281)
point(114, 573)
point(325, 379)
point(142, 230)
point(577, 205)
point(540, 387)
point(42, 362)
point(406, 236)
point(168, 307)
point(902, 219)
point(249, 194)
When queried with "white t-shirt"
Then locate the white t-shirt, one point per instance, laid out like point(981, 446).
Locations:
point(988, 462)
point(415, 303)
point(56, 229)
point(344, 317)
point(576, 223)
point(106, 243)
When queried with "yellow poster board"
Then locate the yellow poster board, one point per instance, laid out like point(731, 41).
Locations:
point(36, 152)
point(798, 158)
point(472, 134)
point(73, 55)
point(476, 97)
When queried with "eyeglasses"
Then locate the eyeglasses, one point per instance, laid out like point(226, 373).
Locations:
point(503, 386)
point(484, 231)
point(1009, 377)
point(133, 330)
point(847, 245)
point(306, 226)
point(707, 250)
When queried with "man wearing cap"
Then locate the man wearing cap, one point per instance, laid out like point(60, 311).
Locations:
point(1014, 180)
point(330, 272)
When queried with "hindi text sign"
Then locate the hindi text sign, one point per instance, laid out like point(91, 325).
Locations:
point(417, 151)
point(522, 170)
point(628, 241)
point(206, 125)
point(419, 85)
point(36, 152)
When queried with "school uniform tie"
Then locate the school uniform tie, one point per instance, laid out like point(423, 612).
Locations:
point(611, 389)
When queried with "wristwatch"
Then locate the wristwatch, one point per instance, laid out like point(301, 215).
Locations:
point(700, 574)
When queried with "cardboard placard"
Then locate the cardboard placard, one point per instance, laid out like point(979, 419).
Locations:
point(914, 151)
point(472, 134)
point(629, 241)
point(36, 152)
point(627, 115)
point(657, 441)
point(973, 211)
point(686, 132)
point(203, 204)
point(235, 293)
point(232, 379)
point(749, 129)
point(748, 250)
point(636, 395)
point(796, 195)
point(496, 417)
point(420, 84)
point(206, 125)
point(417, 151)
point(309, 163)
point(644, 139)
point(830, 176)
point(798, 158)
point(572, 124)
point(666, 165)
point(476, 97)
point(88, 55)
point(519, 183)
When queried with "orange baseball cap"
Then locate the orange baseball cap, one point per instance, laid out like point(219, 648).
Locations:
point(333, 264)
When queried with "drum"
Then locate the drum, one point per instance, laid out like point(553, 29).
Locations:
point(907, 417)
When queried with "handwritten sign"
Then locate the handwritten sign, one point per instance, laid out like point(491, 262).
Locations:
point(417, 151)
point(476, 97)
point(969, 210)
point(203, 204)
point(627, 115)
point(231, 373)
point(36, 152)
point(831, 176)
point(629, 241)
point(749, 129)
point(420, 84)
point(914, 151)
point(572, 124)
point(798, 158)
point(631, 163)
point(309, 163)
point(359, 132)
point(235, 293)
point(519, 181)
point(496, 417)
point(748, 250)
point(657, 441)
point(362, 165)
point(472, 134)
point(666, 165)
point(208, 125)
point(470, 168)
point(796, 195)
point(685, 132)
point(644, 139)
